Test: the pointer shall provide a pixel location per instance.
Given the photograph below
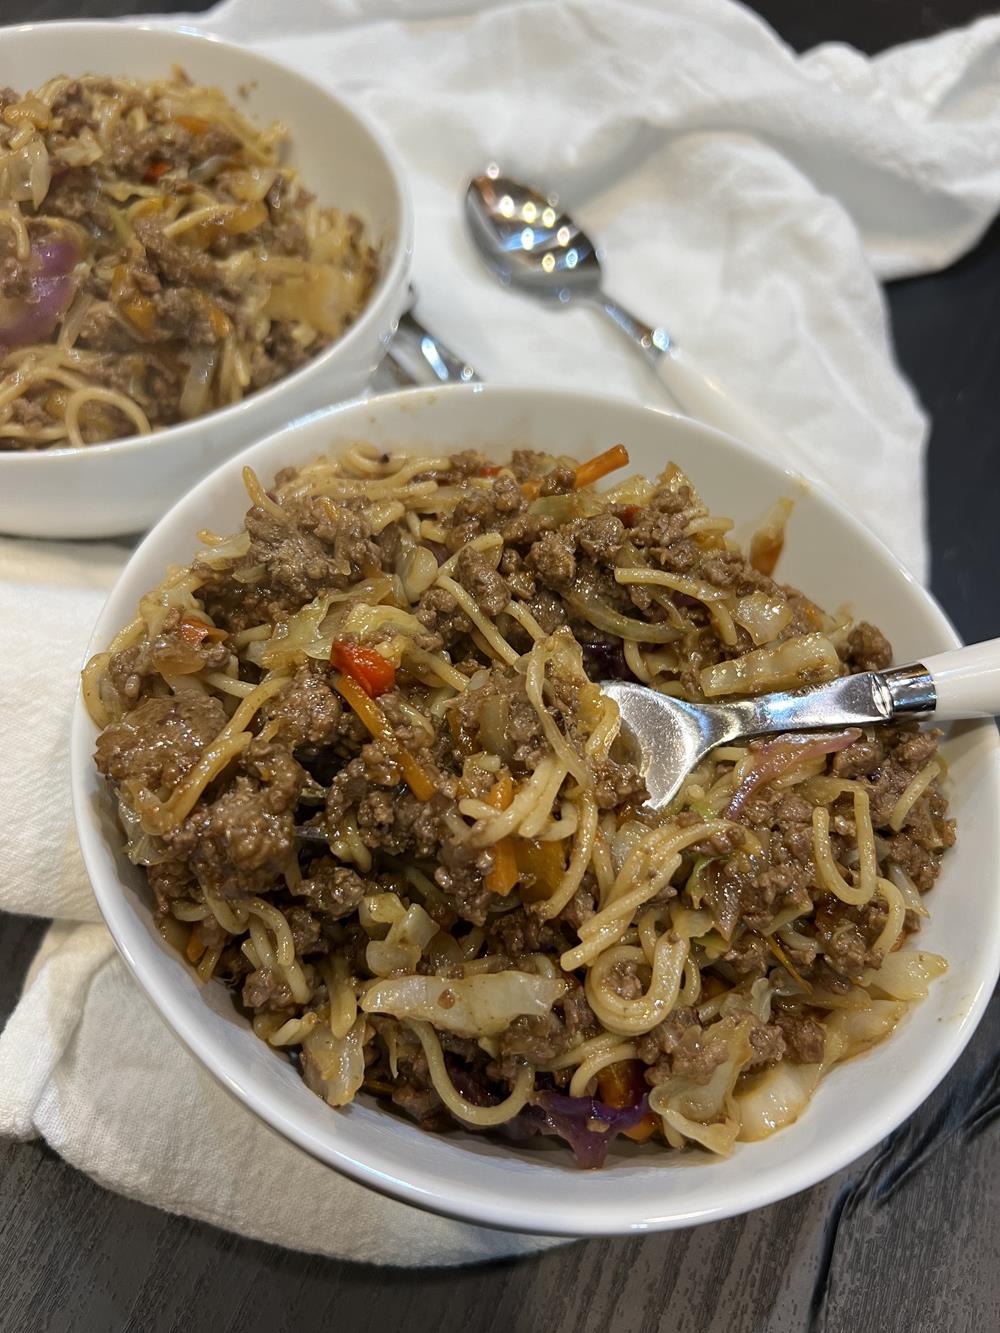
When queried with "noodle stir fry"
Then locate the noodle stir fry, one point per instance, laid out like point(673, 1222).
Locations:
point(362, 751)
point(157, 261)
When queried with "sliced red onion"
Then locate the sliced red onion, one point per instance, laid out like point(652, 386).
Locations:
point(778, 756)
point(33, 317)
point(587, 1125)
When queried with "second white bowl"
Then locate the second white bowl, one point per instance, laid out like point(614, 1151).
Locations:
point(121, 487)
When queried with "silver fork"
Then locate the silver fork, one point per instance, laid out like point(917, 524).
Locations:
point(673, 736)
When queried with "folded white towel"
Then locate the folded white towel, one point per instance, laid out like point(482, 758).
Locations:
point(747, 198)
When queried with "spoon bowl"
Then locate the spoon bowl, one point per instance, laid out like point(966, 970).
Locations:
point(532, 245)
point(529, 242)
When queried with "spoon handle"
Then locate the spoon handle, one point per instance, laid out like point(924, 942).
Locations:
point(698, 392)
point(425, 359)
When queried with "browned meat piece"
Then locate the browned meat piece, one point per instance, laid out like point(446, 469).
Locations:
point(508, 497)
point(842, 944)
point(617, 783)
point(518, 933)
point(921, 864)
point(266, 992)
point(180, 265)
point(805, 1040)
point(278, 355)
point(170, 880)
point(460, 878)
point(601, 536)
point(240, 842)
point(768, 1042)
point(559, 480)
point(76, 196)
point(552, 559)
point(679, 1045)
point(478, 577)
point(14, 279)
point(311, 553)
point(749, 956)
point(307, 931)
point(333, 890)
point(172, 651)
point(438, 610)
point(867, 648)
point(860, 759)
point(309, 711)
point(541, 1037)
point(159, 741)
point(182, 312)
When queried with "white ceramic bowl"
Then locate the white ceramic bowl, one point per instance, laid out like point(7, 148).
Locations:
point(465, 1175)
point(123, 487)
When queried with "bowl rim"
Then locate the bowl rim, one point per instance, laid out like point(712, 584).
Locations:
point(422, 1189)
point(389, 278)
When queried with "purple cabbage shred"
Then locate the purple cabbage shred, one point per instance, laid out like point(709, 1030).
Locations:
point(588, 1125)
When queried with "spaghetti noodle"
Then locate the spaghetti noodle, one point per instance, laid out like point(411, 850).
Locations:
point(362, 750)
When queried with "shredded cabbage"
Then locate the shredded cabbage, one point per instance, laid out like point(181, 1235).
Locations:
point(476, 1006)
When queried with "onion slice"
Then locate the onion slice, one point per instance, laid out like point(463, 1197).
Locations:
point(52, 286)
point(784, 752)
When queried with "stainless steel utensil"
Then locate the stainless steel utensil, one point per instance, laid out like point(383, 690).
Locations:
point(532, 245)
point(673, 736)
point(421, 358)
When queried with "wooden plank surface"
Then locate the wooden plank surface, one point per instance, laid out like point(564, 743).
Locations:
point(905, 1241)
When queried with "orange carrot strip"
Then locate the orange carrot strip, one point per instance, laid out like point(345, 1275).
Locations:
point(374, 673)
point(415, 775)
point(644, 1130)
point(503, 876)
point(196, 946)
point(622, 1085)
point(596, 468)
point(544, 863)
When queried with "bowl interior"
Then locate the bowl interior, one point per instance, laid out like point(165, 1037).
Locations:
point(829, 556)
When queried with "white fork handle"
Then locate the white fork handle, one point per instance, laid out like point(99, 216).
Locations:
point(967, 680)
point(702, 396)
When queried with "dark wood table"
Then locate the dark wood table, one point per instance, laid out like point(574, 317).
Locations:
point(905, 1241)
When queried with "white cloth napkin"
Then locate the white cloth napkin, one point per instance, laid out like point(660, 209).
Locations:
point(747, 199)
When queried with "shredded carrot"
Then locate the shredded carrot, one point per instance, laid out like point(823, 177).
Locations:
point(622, 1085)
point(414, 774)
point(196, 946)
point(503, 876)
point(542, 866)
point(155, 170)
point(596, 468)
point(586, 474)
point(374, 673)
point(645, 1129)
point(195, 631)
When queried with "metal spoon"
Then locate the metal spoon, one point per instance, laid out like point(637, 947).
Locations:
point(531, 244)
point(673, 736)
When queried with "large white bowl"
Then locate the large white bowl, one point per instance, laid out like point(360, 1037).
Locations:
point(124, 486)
point(466, 1175)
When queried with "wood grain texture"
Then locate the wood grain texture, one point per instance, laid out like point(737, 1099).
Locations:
point(905, 1241)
